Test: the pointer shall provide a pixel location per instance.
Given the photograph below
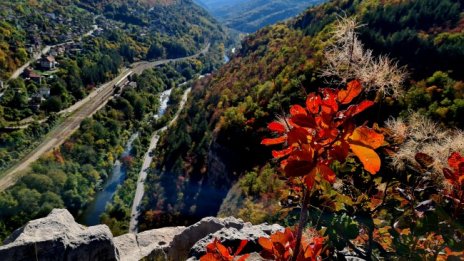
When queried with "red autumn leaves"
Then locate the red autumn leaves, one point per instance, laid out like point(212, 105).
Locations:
point(280, 246)
point(215, 251)
point(323, 132)
point(455, 175)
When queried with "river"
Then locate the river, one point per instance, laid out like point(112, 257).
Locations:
point(91, 215)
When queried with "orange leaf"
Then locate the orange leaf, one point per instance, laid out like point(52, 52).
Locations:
point(222, 250)
point(280, 238)
point(368, 157)
point(276, 127)
point(274, 141)
point(352, 91)
point(313, 103)
point(367, 137)
point(266, 243)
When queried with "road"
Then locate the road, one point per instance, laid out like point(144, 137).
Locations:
point(85, 108)
point(47, 48)
point(135, 213)
point(138, 68)
point(61, 132)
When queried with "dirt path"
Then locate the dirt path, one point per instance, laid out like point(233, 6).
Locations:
point(135, 213)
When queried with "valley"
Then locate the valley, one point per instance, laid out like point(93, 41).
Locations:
point(232, 130)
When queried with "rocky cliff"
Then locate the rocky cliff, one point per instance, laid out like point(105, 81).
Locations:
point(59, 237)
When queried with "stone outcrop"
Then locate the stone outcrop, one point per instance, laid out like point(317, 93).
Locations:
point(59, 237)
point(231, 236)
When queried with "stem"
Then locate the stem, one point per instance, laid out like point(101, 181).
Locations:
point(301, 223)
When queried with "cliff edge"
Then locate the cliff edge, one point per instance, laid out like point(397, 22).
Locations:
point(59, 237)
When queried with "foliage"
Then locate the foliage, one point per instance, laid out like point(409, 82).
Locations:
point(281, 246)
point(215, 251)
point(249, 16)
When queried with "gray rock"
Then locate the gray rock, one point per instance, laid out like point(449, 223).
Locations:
point(183, 242)
point(59, 237)
point(231, 237)
point(148, 245)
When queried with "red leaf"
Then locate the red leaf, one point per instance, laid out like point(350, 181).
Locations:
point(242, 245)
point(454, 160)
point(297, 110)
point(329, 103)
point(298, 135)
point(208, 257)
point(352, 91)
point(211, 246)
point(274, 141)
point(309, 181)
point(313, 103)
point(340, 151)
point(325, 172)
point(355, 109)
point(298, 168)
point(301, 120)
point(276, 127)
point(281, 153)
point(448, 174)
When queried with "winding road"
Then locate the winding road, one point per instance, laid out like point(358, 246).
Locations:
point(84, 108)
point(135, 213)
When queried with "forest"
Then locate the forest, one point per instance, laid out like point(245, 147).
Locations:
point(215, 149)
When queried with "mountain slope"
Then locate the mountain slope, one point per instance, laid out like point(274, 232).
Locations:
point(216, 141)
point(249, 16)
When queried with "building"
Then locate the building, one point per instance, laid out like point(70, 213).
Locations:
point(44, 92)
point(48, 62)
point(29, 74)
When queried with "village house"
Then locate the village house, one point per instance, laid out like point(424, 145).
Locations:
point(48, 62)
point(29, 74)
point(44, 92)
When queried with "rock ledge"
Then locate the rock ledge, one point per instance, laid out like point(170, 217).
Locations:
point(59, 237)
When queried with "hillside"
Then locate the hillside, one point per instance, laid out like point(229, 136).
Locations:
point(214, 151)
point(178, 38)
point(249, 16)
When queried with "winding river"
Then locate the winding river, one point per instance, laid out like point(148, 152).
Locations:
point(92, 213)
